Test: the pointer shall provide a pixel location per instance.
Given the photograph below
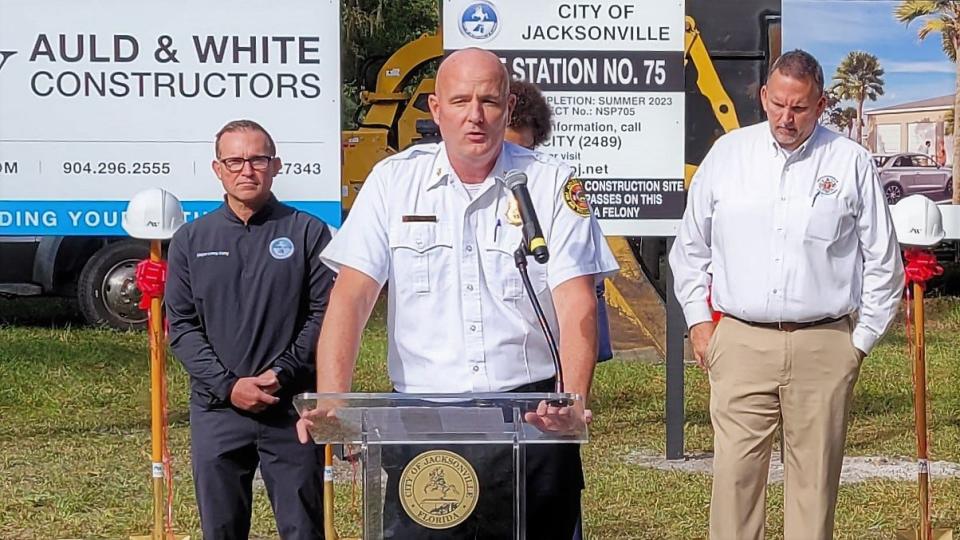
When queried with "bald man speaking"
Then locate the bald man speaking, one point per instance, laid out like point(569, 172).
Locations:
point(434, 221)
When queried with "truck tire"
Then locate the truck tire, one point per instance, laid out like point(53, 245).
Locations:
point(107, 292)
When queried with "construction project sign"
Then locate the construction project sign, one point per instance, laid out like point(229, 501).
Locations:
point(613, 75)
point(102, 100)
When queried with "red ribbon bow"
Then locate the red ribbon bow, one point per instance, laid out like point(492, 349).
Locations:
point(151, 277)
point(921, 266)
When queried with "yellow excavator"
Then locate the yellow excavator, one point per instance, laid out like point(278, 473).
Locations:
point(731, 53)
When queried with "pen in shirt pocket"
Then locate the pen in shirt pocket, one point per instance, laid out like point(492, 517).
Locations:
point(496, 229)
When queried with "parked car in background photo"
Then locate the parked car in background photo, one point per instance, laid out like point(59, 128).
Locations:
point(907, 174)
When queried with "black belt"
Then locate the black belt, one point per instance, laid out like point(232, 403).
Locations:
point(788, 326)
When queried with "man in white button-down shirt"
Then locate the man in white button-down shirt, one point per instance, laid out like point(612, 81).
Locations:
point(434, 222)
point(787, 224)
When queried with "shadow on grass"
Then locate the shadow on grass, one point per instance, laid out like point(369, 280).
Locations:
point(868, 441)
point(122, 425)
point(625, 399)
point(697, 416)
point(40, 312)
point(90, 356)
point(870, 404)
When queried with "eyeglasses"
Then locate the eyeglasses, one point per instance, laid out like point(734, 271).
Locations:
point(235, 164)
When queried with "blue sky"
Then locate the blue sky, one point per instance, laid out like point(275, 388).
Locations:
point(829, 29)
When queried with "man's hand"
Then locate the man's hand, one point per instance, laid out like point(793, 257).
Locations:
point(248, 393)
point(305, 423)
point(558, 419)
point(268, 382)
point(322, 421)
point(700, 336)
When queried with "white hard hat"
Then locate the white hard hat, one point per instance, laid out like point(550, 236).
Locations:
point(153, 214)
point(918, 221)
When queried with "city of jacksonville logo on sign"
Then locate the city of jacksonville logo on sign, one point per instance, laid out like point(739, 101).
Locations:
point(479, 21)
point(281, 248)
point(439, 489)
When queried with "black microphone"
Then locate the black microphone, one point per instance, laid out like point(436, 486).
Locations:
point(516, 182)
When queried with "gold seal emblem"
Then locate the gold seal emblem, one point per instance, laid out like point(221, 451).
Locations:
point(439, 489)
point(513, 211)
point(575, 197)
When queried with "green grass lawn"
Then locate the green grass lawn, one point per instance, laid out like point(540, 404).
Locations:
point(75, 435)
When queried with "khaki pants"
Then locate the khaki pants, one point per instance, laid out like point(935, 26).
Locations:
point(758, 375)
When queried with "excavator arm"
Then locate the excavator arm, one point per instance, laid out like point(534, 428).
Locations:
point(390, 114)
point(386, 99)
point(709, 84)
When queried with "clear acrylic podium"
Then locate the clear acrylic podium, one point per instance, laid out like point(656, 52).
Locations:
point(441, 466)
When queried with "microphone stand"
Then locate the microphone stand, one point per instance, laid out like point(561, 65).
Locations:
point(520, 259)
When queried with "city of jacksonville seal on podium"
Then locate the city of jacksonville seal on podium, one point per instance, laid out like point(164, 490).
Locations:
point(440, 466)
point(439, 489)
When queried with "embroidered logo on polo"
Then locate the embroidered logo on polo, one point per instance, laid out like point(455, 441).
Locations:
point(281, 248)
point(827, 185)
point(576, 197)
point(439, 489)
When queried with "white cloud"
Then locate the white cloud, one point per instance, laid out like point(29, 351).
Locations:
point(928, 66)
point(836, 23)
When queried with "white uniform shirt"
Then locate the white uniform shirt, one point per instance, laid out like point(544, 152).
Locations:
point(458, 317)
point(792, 237)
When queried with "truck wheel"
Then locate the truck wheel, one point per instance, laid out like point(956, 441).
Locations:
point(107, 292)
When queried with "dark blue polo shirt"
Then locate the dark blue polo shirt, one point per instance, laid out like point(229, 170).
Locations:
point(244, 298)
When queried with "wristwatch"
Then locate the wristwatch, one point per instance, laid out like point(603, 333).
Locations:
point(278, 370)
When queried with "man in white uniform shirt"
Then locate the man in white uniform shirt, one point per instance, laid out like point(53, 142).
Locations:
point(433, 220)
point(787, 223)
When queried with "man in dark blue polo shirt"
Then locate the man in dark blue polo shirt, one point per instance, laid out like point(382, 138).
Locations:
point(245, 298)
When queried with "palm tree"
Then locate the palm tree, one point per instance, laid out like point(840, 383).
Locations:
point(859, 77)
point(941, 16)
point(832, 110)
point(844, 119)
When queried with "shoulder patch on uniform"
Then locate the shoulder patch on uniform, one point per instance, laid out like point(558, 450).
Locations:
point(575, 197)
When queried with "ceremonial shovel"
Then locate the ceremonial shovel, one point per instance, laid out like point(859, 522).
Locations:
point(917, 345)
point(162, 522)
point(155, 214)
